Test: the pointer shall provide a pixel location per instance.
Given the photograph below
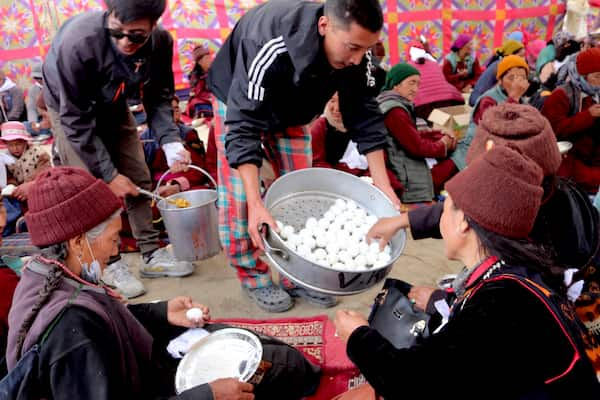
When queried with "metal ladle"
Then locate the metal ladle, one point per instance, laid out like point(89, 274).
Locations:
point(157, 197)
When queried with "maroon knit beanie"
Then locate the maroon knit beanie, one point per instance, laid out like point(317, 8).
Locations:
point(588, 61)
point(65, 202)
point(524, 127)
point(501, 191)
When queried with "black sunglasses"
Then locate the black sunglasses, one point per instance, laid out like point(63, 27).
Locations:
point(137, 38)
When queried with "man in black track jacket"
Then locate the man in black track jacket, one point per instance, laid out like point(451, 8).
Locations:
point(274, 74)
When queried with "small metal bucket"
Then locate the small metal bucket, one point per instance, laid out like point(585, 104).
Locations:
point(193, 231)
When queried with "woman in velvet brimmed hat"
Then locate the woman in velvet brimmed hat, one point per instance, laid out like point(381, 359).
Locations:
point(501, 338)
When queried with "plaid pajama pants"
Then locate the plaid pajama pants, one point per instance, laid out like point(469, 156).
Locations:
point(286, 151)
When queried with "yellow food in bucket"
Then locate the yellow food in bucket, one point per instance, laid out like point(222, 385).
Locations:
point(181, 203)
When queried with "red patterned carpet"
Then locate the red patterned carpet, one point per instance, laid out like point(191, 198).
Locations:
point(314, 336)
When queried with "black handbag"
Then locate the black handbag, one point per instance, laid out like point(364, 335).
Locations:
point(396, 318)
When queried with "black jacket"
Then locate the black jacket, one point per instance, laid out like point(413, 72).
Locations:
point(503, 344)
point(272, 73)
point(78, 360)
point(87, 81)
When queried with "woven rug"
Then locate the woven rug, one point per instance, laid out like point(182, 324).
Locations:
point(17, 244)
point(315, 337)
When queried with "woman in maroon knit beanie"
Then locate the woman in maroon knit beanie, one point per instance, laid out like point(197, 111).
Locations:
point(99, 348)
point(501, 339)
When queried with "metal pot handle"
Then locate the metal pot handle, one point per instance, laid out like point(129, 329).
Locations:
point(190, 166)
point(264, 232)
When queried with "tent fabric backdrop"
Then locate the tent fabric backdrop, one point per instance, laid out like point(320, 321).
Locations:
point(26, 26)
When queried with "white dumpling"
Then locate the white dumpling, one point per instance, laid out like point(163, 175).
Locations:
point(321, 261)
point(305, 233)
point(329, 215)
point(324, 223)
point(371, 258)
point(341, 204)
point(334, 231)
point(387, 249)
point(311, 223)
point(353, 250)
point(351, 205)
point(374, 247)
point(383, 258)
point(350, 225)
point(332, 258)
point(363, 248)
point(371, 220)
point(348, 216)
point(348, 263)
point(338, 266)
point(332, 248)
point(343, 254)
point(360, 214)
point(360, 261)
point(321, 239)
point(309, 241)
point(287, 231)
point(294, 240)
point(320, 254)
point(355, 239)
point(304, 250)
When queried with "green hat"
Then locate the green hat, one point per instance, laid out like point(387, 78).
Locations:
point(399, 73)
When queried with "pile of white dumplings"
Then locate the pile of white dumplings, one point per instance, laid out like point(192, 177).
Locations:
point(338, 239)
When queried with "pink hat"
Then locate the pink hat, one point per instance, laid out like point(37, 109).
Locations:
point(460, 42)
point(14, 130)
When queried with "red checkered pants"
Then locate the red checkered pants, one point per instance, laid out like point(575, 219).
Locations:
point(287, 151)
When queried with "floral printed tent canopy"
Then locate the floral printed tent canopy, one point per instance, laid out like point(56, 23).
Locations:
point(26, 26)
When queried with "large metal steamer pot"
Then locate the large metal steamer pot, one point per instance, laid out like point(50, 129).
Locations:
point(298, 195)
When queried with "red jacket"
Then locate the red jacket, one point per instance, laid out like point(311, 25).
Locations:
point(319, 132)
point(458, 81)
point(582, 162)
point(417, 144)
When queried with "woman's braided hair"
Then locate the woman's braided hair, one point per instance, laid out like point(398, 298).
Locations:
point(53, 279)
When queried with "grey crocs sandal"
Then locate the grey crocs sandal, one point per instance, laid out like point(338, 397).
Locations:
point(271, 298)
point(315, 298)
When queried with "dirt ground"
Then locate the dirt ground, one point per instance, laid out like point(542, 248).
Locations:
point(215, 284)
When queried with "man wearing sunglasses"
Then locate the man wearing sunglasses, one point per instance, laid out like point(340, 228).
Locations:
point(274, 74)
point(96, 62)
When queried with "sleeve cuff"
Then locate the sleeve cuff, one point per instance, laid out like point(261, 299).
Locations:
point(356, 343)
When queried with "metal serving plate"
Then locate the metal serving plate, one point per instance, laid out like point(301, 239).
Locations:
point(226, 353)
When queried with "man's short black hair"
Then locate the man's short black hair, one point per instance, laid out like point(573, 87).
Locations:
point(128, 11)
point(366, 13)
